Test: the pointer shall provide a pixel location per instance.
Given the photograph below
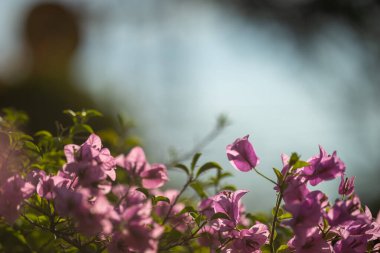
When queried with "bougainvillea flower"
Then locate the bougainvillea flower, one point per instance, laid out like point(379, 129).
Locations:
point(152, 176)
point(90, 162)
point(314, 243)
point(178, 222)
point(248, 240)
point(345, 211)
point(295, 190)
point(228, 202)
point(137, 232)
point(241, 154)
point(346, 186)
point(46, 187)
point(12, 192)
point(323, 167)
point(306, 215)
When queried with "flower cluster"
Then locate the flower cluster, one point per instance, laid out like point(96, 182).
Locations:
point(318, 226)
point(96, 201)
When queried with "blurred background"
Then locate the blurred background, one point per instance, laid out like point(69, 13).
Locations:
point(292, 74)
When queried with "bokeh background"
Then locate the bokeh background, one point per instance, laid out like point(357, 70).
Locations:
point(292, 74)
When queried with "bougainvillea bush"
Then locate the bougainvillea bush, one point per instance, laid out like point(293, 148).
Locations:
point(67, 192)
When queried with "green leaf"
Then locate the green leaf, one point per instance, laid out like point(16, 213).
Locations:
point(187, 209)
point(279, 175)
point(143, 190)
point(229, 187)
point(198, 188)
point(93, 113)
point(220, 216)
point(81, 128)
point(284, 216)
point(282, 248)
point(293, 159)
point(207, 166)
point(31, 146)
point(300, 164)
point(157, 199)
point(70, 112)
point(195, 160)
point(182, 167)
point(224, 174)
point(43, 133)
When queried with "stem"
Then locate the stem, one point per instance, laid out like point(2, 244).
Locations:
point(192, 236)
point(278, 203)
point(189, 181)
point(267, 178)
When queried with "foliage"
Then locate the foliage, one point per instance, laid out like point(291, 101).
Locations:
point(69, 193)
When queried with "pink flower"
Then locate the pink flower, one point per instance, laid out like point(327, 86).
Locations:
point(136, 231)
point(306, 215)
point(346, 186)
point(12, 192)
point(241, 155)
point(89, 162)
point(151, 176)
point(179, 222)
point(345, 211)
point(323, 167)
point(295, 191)
point(228, 202)
point(45, 188)
point(91, 217)
point(312, 242)
point(248, 240)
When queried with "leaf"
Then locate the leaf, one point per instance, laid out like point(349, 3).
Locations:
point(284, 216)
point(157, 199)
point(182, 167)
point(220, 216)
point(93, 113)
point(70, 112)
point(282, 248)
point(81, 128)
point(279, 175)
point(198, 188)
point(224, 174)
point(143, 190)
point(43, 133)
point(207, 166)
point(229, 187)
point(188, 209)
point(31, 146)
point(300, 164)
point(195, 160)
point(293, 159)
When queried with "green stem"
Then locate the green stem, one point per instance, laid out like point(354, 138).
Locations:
point(267, 178)
point(274, 223)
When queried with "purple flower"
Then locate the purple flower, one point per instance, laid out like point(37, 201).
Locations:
point(306, 215)
point(345, 211)
point(46, 187)
point(89, 162)
point(228, 202)
point(312, 242)
point(12, 192)
point(295, 190)
point(136, 231)
point(323, 167)
point(248, 240)
point(346, 186)
point(152, 176)
point(241, 155)
point(178, 222)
